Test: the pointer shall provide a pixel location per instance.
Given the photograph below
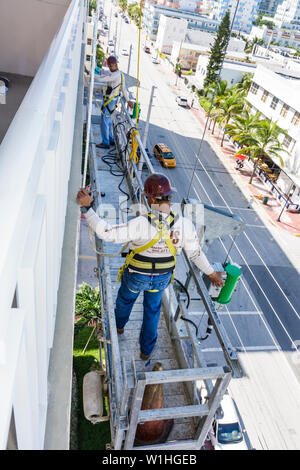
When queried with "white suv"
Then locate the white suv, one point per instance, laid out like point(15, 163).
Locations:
point(227, 430)
point(182, 101)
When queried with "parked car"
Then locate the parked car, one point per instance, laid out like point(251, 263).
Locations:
point(105, 26)
point(147, 49)
point(155, 60)
point(124, 52)
point(126, 20)
point(227, 430)
point(164, 155)
point(182, 101)
point(110, 42)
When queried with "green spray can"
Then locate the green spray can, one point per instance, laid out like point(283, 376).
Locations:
point(233, 274)
point(136, 110)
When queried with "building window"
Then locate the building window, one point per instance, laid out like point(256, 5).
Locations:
point(274, 102)
point(286, 141)
point(296, 118)
point(254, 88)
point(284, 110)
point(265, 96)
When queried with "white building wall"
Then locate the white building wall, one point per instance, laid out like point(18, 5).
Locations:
point(288, 15)
point(170, 30)
point(272, 87)
point(35, 162)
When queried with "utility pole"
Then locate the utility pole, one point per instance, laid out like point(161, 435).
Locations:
point(109, 21)
point(119, 36)
point(148, 117)
point(129, 59)
point(140, 164)
point(115, 36)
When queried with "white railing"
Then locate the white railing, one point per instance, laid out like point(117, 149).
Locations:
point(35, 158)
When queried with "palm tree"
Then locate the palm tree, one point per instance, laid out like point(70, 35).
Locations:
point(219, 92)
point(242, 125)
point(245, 83)
point(262, 142)
point(220, 89)
point(228, 107)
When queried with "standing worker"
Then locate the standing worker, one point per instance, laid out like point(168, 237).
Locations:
point(113, 85)
point(155, 239)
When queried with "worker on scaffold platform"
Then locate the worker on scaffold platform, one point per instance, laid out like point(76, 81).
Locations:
point(155, 238)
point(112, 85)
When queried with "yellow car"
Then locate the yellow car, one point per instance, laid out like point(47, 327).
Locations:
point(164, 155)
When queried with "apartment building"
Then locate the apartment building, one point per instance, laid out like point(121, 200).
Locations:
point(169, 30)
point(268, 7)
point(245, 14)
point(152, 13)
point(278, 98)
point(188, 5)
point(281, 36)
point(232, 70)
point(288, 15)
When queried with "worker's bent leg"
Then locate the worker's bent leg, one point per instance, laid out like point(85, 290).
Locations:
point(127, 295)
point(152, 306)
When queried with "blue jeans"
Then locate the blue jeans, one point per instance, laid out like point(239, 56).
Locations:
point(131, 286)
point(106, 126)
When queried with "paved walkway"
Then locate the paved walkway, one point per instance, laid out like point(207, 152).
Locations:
point(289, 221)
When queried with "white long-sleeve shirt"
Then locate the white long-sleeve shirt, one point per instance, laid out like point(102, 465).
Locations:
point(113, 79)
point(139, 231)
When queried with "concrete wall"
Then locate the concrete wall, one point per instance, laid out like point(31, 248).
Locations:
point(170, 30)
point(27, 28)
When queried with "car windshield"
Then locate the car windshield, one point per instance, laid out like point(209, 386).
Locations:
point(229, 433)
point(168, 155)
point(183, 99)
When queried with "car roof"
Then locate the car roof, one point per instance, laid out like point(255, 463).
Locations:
point(230, 415)
point(164, 147)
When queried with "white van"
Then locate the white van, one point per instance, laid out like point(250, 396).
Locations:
point(227, 430)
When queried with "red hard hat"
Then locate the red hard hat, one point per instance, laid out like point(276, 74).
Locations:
point(157, 185)
point(112, 60)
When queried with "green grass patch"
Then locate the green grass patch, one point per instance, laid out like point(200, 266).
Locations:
point(90, 436)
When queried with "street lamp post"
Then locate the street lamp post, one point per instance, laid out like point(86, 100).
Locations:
point(289, 194)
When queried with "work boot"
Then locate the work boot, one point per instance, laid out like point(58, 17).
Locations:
point(102, 146)
point(120, 331)
point(144, 357)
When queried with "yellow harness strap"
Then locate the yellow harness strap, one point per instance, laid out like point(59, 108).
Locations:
point(162, 233)
point(112, 97)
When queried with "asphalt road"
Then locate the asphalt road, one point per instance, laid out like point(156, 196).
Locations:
point(262, 320)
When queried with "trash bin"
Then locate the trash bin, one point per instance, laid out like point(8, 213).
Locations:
point(265, 200)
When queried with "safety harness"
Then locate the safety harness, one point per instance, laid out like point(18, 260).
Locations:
point(147, 264)
point(108, 91)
